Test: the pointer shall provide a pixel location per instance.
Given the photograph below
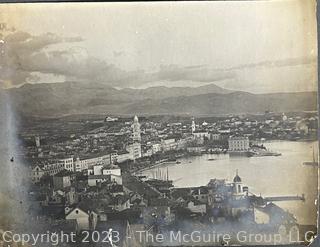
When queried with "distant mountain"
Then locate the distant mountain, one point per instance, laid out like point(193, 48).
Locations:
point(56, 99)
point(237, 102)
point(167, 92)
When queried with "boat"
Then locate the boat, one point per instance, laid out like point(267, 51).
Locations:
point(178, 162)
point(268, 153)
point(172, 159)
point(211, 159)
point(260, 151)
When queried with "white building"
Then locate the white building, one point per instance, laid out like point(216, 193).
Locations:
point(124, 156)
point(67, 164)
point(193, 126)
point(101, 173)
point(215, 136)
point(84, 164)
point(239, 190)
point(156, 148)
point(135, 150)
point(136, 132)
point(45, 169)
point(37, 140)
point(238, 144)
point(86, 220)
point(168, 144)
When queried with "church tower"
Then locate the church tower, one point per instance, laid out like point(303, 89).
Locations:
point(136, 133)
point(193, 126)
point(237, 186)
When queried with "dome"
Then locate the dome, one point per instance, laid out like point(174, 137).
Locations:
point(237, 179)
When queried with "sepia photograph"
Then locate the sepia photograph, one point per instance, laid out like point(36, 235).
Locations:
point(159, 124)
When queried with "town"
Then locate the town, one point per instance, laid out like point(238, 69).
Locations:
point(86, 172)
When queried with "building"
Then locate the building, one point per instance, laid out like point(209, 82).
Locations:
point(239, 190)
point(49, 169)
point(168, 144)
point(215, 136)
point(196, 207)
point(134, 150)
point(102, 173)
point(124, 156)
point(201, 136)
point(88, 162)
point(238, 144)
point(111, 119)
point(67, 164)
point(136, 132)
point(86, 219)
point(156, 148)
point(36, 174)
point(62, 180)
point(193, 126)
point(37, 140)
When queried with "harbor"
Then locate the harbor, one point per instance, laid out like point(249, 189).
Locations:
point(274, 175)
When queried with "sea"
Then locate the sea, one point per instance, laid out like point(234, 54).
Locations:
point(283, 175)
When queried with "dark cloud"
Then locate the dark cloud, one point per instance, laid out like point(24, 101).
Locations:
point(22, 55)
point(18, 52)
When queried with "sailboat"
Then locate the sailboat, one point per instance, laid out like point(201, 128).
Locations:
point(314, 162)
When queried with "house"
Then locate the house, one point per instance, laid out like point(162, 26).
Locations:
point(87, 162)
point(120, 203)
point(156, 148)
point(71, 196)
point(62, 180)
point(102, 173)
point(161, 214)
point(200, 136)
point(123, 156)
point(116, 189)
point(215, 136)
point(196, 206)
point(168, 144)
point(36, 174)
point(201, 194)
point(54, 198)
point(115, 179)
point(86, 219)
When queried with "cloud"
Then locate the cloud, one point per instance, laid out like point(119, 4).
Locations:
point(278, 63)
point(18, 52)
point(193, 73)
point(24, 56)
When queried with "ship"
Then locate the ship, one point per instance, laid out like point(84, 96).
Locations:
point(259, 151)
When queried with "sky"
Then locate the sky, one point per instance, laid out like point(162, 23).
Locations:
point(254, 46)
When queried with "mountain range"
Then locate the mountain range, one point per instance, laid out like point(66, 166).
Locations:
point(57, 99)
